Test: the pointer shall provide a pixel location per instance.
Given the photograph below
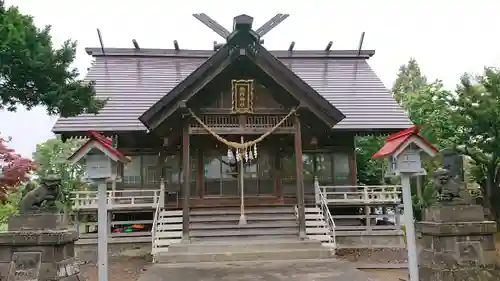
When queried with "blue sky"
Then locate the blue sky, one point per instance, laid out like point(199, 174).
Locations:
point(447, 38)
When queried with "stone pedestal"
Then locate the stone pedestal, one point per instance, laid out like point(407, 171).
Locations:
point(458, 244)
point(40, 247)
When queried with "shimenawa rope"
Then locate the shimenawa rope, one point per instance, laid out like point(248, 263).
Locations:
point(245, 145)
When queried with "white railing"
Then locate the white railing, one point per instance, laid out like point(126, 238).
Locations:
point(154, 227)
point(118, 198)
point(383, 194)
point(323, 204)
point(159, 206)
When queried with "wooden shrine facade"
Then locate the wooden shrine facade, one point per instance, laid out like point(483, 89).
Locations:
point(244, 98)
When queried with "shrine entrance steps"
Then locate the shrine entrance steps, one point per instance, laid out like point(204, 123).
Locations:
point(262, 222)
point(271, 233)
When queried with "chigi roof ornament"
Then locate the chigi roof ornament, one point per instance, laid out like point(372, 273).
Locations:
point(241, 21)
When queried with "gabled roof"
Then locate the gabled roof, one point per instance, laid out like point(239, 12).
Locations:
point(135, 80)
point(243, 42)
point(395, 141)
point(101, 142)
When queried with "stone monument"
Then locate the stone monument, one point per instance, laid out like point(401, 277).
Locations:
point(39, 244)
point(458, 243)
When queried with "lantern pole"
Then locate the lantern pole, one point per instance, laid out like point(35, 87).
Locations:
point(411, 243)
point(243, 219)
point(102, 229)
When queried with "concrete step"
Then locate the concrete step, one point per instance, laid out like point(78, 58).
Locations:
point(255, 255)
point(312, 210)
point(198, 233)
point(317, 230)
point(166, 213)
point(223, 246)
point(249, 210)
point(236, 217)
point(243, 238)
point(235, 225)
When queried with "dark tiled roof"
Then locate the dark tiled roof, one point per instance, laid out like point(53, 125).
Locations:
point(134, 80)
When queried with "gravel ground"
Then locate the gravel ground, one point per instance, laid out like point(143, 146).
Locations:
point(388, 274)
point(373, 256)
point(120, 269)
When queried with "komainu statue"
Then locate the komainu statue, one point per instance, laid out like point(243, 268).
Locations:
point(448, 188)
point(42, 197)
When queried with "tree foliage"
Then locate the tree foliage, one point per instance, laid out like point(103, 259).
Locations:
point(409, 80)
point(370, 171)
point(33, 72)
point(14, 169)
point(476, 112)
point(51, 157)
point(466, 120)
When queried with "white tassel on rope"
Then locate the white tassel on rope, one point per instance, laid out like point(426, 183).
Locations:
point(246, 155)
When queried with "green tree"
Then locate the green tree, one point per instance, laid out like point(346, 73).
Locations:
point(51, 157)
point(370, 171)
point(33, 72)
point(430, 108)
point(476, 111)
point(409, 80)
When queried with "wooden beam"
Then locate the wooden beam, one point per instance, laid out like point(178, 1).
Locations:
point(186, 173)
point(300, 179)
point(176, 45)
point(329, 46)
point(290, 48)
point(99, 35)
point(136, 45)
point(271, 24)
point(360, 47)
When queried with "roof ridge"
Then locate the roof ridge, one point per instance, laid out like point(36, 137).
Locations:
point(150, 52)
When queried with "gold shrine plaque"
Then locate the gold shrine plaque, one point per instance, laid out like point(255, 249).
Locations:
point(242, 94)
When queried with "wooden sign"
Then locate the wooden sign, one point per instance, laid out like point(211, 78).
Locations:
point(25, 266)
point(98, 166)
point(242, 95)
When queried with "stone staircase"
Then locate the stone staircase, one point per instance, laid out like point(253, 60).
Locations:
point(271, 233)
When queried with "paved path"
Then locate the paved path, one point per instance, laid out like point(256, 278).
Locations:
point(305, 270)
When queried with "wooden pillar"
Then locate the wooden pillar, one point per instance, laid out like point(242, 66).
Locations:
point(300, 179)
point(161, 173)
point(277, 176)
point(200, 181)
point(353, 168)
point(186, 169)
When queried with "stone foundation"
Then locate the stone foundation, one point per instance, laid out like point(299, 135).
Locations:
point(458, 244)
point(30, 250)
point(370, 239)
